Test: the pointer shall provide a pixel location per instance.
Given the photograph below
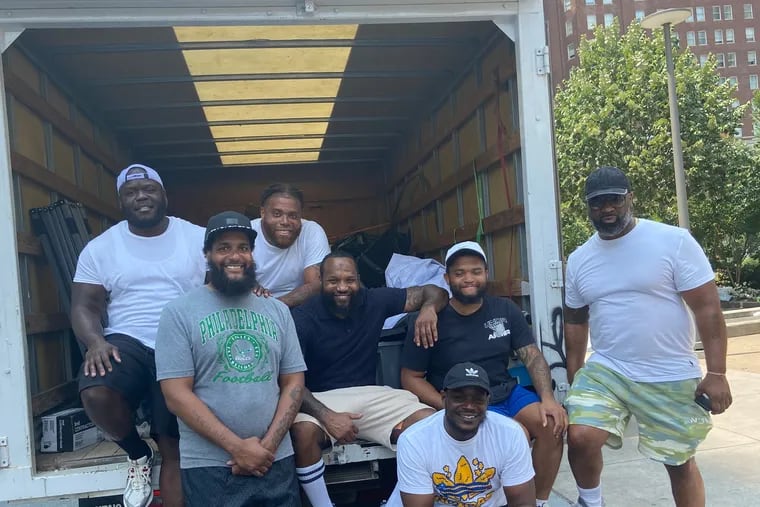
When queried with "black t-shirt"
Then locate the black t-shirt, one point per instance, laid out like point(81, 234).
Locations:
point(343, 352)
point(487, 338)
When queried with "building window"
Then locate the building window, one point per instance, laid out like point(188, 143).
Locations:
point(691, 40)
point(749, 34)
point(735, 104)
point(591, 21)
point(702, 38)
point(640, 15)
point(728, 12)
point(609, 18)
point(718, 36)
point(568, 5)
point(738, 132)
point(690, 19)
point(748, 11)
point(753, 81)
point(716, 12)
point(590, 2)
point(721, 59)
point(731, 59)
point(751, 57)
point(730, 38)
point(607, 2)
point(568, 27)
point(733, 80)
point(702, 59)
point(700, 13)
point(570, 51)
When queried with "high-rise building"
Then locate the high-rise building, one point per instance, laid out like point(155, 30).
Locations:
point(729, 29)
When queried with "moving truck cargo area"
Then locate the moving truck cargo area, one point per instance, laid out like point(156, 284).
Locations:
point(426, 120)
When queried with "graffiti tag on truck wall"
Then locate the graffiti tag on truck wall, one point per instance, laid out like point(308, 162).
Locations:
point(553, 348)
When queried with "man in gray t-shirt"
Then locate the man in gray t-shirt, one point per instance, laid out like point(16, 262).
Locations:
point(231, 369)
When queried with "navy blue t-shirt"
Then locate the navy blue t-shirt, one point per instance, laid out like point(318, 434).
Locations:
point(487, 338)
point(343, 352)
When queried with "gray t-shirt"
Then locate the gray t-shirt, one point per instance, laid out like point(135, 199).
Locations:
point(235, 348)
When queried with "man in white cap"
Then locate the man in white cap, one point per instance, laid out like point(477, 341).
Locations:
point(488, 330)
point(128, 274)
point(464, 454)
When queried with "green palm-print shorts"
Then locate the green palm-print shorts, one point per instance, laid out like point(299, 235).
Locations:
point(671, 424)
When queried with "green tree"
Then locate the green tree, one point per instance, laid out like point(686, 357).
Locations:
point(613, 110)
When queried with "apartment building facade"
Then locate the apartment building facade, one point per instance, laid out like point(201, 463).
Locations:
point(728, 29)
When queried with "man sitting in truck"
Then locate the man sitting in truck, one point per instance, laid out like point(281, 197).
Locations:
point(288, 248)
point(128, 274)
point(231, 369)
point(339, 330)
point(486, 330)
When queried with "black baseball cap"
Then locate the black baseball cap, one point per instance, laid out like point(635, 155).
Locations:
point(607, 180)
point(467, 375)
point(228, 221)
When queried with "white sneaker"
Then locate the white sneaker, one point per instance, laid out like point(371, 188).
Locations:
point(139, 490)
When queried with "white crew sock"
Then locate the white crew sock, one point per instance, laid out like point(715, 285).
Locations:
point(312, 480)
point(591, 497)
point(542, 503)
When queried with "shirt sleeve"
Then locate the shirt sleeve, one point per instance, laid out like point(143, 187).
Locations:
point(692, 268)
point(414, 357)
point(391, 300)
point(315, 244)
point(519, 331)
point(517, 467)
point(572, 297)
point(87, 268)
point(291, 360)
point(174, 354)
point(410, 466)
point(302, 328)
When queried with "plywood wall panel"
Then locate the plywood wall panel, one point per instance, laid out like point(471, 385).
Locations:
point(470, 202)
point(21, 66)
point(446, 159)
point(90, 175)
point(63, 158)
point(28, 134)
point(469, 141)
point(450, 213)
point(58, 100)
point(50, 353)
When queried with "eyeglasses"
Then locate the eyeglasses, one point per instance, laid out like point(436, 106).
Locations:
point(599, 202)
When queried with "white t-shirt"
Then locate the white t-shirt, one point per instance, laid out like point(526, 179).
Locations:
point(281, 269)
point(640, 325)
point(142, 274)
point(469, 473)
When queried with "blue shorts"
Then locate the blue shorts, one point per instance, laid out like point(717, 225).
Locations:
point(518, 399)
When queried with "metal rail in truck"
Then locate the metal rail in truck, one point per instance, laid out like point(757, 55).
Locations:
point(22, 482)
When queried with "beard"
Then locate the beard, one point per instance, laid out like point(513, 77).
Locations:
point(468, 300)
point(228, 287)
point(615, 228)
point(159, 212)
point(339, 311)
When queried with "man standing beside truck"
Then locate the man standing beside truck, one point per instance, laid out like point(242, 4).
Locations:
point(231, 368)
point(288, 248)
point(128, 274)
point(631, 284)
point(339, 330)
point(487, 330)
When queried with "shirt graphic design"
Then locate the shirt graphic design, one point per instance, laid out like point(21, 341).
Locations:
point(499, 328)
point(467, 486)
point(242, 339)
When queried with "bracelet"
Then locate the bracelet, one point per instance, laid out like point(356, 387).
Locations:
point(716, 373)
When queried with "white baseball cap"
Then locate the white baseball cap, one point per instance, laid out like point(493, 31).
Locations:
point(144, 172)
point(470, 247)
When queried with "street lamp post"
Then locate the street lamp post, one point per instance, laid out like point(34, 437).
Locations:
point(667, 18)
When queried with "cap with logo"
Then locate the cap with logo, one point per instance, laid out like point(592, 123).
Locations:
point(467, 375)
point(463, 248)
point(606, 180)
point(228, 221)
point(137, 172)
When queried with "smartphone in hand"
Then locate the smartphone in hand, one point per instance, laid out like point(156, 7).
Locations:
point(704, 401)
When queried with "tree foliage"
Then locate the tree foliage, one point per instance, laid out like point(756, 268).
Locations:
point(613, 110)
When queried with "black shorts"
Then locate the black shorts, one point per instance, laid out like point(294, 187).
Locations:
point(211, 486)
point(135, 379)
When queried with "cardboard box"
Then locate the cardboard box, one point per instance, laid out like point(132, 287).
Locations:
point(68, 430)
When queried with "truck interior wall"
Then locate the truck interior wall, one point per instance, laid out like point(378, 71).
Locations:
point(56, 152)
point(458, 169)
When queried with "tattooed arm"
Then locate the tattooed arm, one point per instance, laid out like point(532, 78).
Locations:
point(291, 392)
point(338, 424)
point(541, 377)
point(429, 300)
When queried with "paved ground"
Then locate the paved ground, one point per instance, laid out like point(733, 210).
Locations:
point(729, 459)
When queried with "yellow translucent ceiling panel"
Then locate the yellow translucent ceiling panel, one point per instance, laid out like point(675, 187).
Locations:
point(267, 89)
point(268, 144)
point(273, 129)
point(268, 158)
point(267, 60)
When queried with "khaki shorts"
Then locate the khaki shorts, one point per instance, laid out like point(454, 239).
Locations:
point(671, 424)
point(381, 407)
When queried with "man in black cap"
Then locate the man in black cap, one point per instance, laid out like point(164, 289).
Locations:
point(465, 452)
point(231, 368)
point(628, 284)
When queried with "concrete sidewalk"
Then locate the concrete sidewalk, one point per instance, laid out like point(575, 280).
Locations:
point(729, 459)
